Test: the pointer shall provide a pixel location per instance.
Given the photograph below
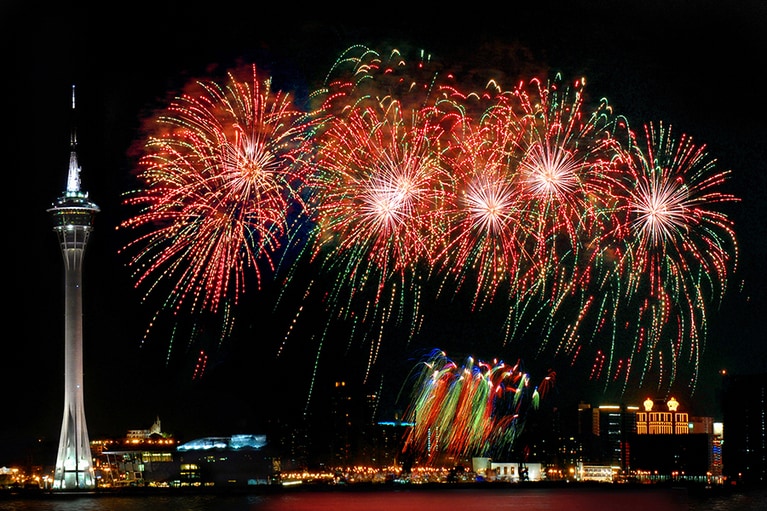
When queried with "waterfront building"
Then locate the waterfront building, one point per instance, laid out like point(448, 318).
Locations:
point(233, 461)
point(661, 440)
point(717, 463)
point(596, 473)
point(159, 460)
point(671, 444)
point(136, 462)
point(73, 214)
point(515, 472)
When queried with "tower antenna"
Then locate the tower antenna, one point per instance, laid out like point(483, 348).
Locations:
point(73, 178)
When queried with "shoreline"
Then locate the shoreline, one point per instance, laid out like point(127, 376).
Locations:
point(693, 490)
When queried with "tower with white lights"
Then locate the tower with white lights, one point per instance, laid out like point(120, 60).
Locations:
point(73, 215)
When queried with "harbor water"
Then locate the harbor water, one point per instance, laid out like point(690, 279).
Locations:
point(524, 499)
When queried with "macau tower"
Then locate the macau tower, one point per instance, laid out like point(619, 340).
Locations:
point(73, 215)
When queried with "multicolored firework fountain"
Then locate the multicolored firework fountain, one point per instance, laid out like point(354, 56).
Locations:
point(478, 409)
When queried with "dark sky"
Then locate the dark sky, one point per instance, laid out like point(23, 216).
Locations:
point(693, 65)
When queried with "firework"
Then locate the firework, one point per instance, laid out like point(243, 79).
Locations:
point(377, 190)
point(381, 176)
point(486, 234)
point(220, 175)
point(532, 204)
point(677, 248)
point(380, 180)
point(565, 153)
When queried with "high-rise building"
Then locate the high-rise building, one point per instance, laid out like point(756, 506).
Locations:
point(344, 425)
point(744, 407)
point(605, 431)
point(73, 215)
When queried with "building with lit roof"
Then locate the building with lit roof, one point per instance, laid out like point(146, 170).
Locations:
point(605, 431)
point(656, 421)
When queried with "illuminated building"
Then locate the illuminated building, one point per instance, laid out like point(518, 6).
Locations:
point(514, 472)
point(73, 215)
point(155, 429)
point(154, 458)
point(671, 421)
point(671, 444)
point(716, 450)
point(659, 439)
point(135, 462)
point(598, 473)
point(232, 461)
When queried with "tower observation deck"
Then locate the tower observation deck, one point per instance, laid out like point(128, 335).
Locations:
point(73, 215)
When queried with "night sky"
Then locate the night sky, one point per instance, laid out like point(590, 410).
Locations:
point(693, 65)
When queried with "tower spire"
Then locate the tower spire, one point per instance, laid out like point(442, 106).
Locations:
point(73, 178)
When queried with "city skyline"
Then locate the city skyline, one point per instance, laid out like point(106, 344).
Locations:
point(682, 81)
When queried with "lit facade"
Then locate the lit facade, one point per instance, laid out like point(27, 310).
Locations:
point(157, 460)
point(515, 472)
point(655, 421)
point(716, 450)
point(141, 434)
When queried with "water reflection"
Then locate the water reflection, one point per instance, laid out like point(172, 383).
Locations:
point(577, 499)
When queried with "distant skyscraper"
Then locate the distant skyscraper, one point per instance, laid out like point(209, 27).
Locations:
point(73, 215)
point(344, 424)
point(606, 432)
point(744, 449)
